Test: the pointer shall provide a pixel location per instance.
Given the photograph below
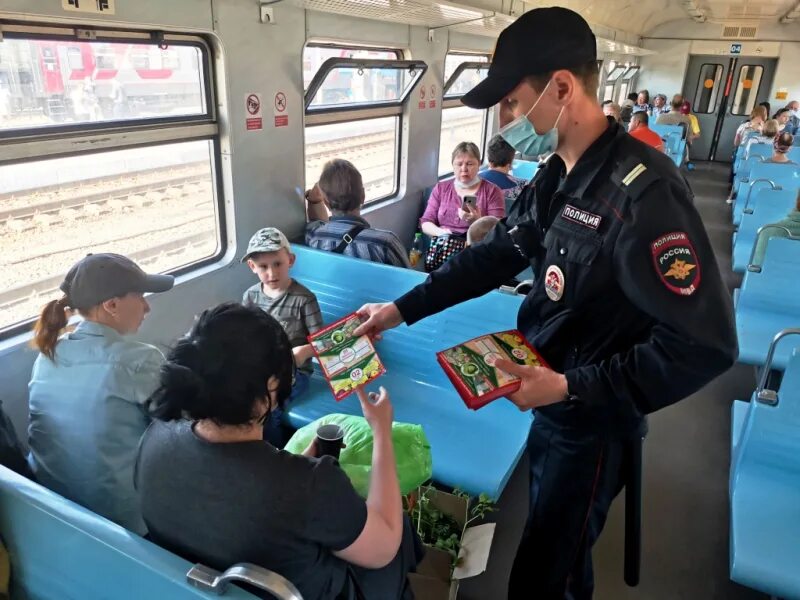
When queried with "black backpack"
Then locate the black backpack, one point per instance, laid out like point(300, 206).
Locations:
point(12, 455)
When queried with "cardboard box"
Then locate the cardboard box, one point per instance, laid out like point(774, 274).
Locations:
point(432, 580)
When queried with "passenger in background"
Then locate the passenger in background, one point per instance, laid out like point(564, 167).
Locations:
point(341, 190)
point(480, 229)
point(767, 136)
point(767, 107)
point(612, 109)
point(642, 102)
point(660, 106)
point(791, 228)
point(445, 214)
point(292, 304)
point(213, 491)
point(753, 124)
point(676, 117)
point(781, 146)
point(500, 157)
point(89, 388)
point(627, 107)
point(783, 117)
point(694, 128)
point(639, 128)
point(794, 120)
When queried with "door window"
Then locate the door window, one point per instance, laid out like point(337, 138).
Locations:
point(708, 85)
point(744, 100)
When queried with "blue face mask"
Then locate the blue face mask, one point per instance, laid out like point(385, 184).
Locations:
point(521, 134)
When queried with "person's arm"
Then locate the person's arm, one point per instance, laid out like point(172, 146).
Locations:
point(473, 272)
point(667, 269)
point(378, 542)
point(429, 222)
point(315, 205)
point(396, 254)
point(144, 375)
point(495, 202)
point(312, 315)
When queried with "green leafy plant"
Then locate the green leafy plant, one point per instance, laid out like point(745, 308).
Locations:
point(438, 529)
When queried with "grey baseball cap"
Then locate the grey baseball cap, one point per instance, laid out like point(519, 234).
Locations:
point(100, 277)
point(269, 239)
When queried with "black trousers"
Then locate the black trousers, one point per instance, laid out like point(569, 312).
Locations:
point(574, 476)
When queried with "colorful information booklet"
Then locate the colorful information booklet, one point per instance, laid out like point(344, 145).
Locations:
point(347, 361)
point(470, 366)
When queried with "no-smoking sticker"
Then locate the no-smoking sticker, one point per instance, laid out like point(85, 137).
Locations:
point(280, 105)
point(252, 105)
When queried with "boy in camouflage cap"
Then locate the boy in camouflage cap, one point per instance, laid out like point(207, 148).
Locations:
point(293, 305)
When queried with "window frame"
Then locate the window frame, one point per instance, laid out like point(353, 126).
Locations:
point(418, 68)
point(629, 74)
point(53, 141)
point(621, 68)
point(454, 101)
point(350, 113)
point(454, 77)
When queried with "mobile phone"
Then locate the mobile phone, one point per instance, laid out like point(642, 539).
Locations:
point(469, 201)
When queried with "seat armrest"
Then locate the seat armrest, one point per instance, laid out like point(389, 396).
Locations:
point(206, 578)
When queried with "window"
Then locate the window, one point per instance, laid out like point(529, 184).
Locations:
point(353, 105)
point(744, 100)
point(122, 169)
point(611, 80)
point(461, 123)
point(708, 86)
point(625, 83)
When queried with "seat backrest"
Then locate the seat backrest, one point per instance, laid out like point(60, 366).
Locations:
point(763, 150)
point(61, 550)
point(524, 169)
point(787, 175)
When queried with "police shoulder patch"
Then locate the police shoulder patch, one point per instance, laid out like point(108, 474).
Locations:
point(676, 263)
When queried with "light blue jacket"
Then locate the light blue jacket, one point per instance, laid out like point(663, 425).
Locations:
point(86, 418)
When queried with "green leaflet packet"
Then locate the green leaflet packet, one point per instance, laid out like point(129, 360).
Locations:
point(347, 361)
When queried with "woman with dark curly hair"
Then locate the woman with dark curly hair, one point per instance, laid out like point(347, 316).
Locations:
point(212, 490)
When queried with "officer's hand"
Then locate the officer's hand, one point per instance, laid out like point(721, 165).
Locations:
point(377, 318)
point(540, 386)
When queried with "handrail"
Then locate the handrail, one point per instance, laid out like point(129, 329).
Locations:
point(773, 185)
point(751, 266)
point(763, 394)
point(210, 580)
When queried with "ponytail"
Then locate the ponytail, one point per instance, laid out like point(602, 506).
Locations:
point(50, 324)
point(183, 391)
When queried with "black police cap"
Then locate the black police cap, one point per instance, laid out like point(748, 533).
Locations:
point(540, 41)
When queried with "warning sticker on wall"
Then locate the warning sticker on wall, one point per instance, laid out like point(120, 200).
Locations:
point(253, 119)
point(782, 94)
point(279, 105)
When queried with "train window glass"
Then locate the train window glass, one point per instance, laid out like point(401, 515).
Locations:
point(744, 100)
point(464, 81)
point(353, 86)
point(708, 86)
point(155, 204)
point(459, 124)
point(628, 75)
point(74, 83)
point(314, 55)
point(353, 109)
point(453, 59)
point(371, 145)
point(462, 72)
point(623, 92)
point(615, 73)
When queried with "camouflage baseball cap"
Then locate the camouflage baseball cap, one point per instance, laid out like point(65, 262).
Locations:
point(269, 239)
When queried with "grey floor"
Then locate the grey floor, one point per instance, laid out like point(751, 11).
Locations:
point(685, 491)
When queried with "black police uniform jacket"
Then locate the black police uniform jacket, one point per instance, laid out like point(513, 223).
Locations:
point(627, 301)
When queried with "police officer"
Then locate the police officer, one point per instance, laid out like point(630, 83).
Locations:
point(628, 306)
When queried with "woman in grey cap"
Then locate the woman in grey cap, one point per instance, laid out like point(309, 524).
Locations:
point(89, 387)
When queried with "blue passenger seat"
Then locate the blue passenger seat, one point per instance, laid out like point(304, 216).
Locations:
point(473, 450)
point(59, 549)
point(765, 488)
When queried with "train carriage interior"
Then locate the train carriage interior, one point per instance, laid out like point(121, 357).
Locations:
point(170, 132)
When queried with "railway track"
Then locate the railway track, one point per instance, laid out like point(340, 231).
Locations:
point(49, 285)
point(149, 187)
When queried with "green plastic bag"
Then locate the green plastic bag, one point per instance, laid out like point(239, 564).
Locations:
point(411, 449)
